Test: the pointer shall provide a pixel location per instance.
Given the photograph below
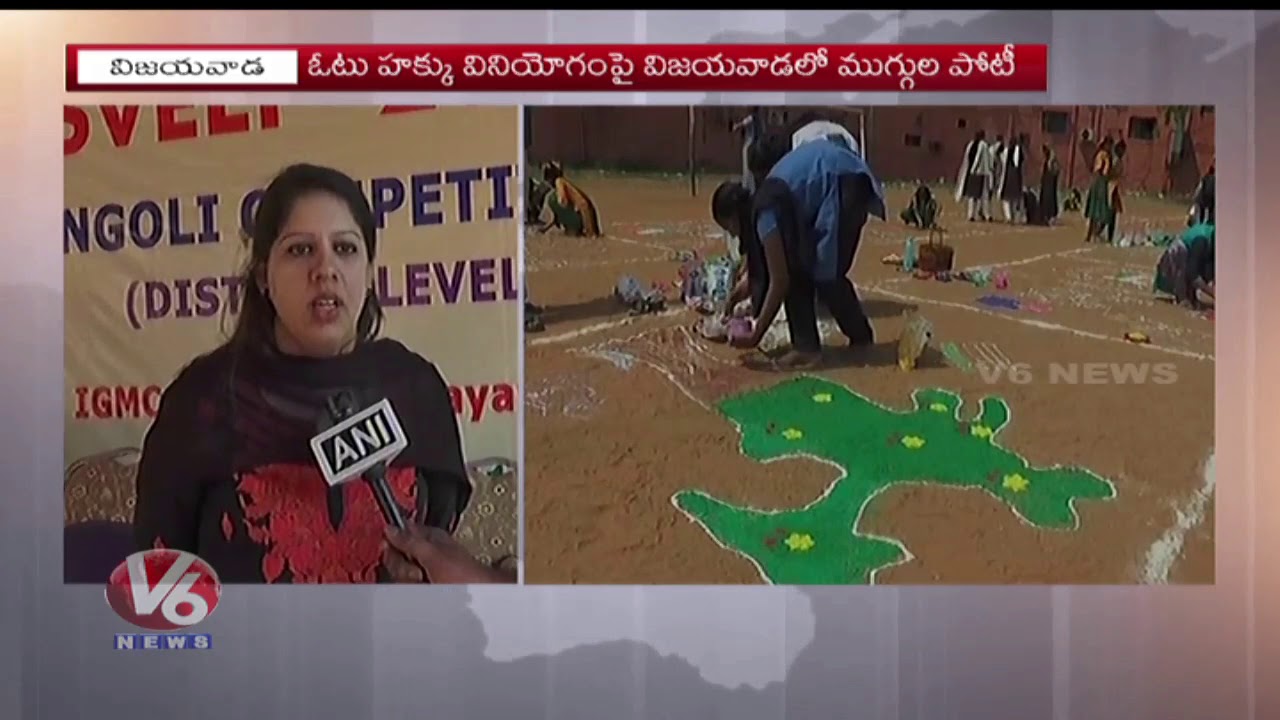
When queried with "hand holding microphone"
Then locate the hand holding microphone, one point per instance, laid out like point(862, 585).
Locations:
point(426, 554)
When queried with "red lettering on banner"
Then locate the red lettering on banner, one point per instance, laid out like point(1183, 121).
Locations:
point(225, 122)
point(117, 402)
point(472, 401)
point(268, 117)
point(121, 122)
point(170, 127)
point(75, 129)
point(173, 123)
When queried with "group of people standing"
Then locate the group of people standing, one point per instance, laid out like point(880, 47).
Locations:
point(997, 170)
point(1185, 270)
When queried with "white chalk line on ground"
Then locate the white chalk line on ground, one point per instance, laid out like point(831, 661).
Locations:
point(1188, 515)
point(571, 335)
point(545, 266)
point(1039, 258)
point(988, 353)
point(883, 236)
point(666, 372)
point(1043, 325)
point(642, 243)
point(666, 255)
point(1012, 263)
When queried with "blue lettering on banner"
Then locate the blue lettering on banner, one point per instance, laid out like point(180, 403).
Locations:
point(163, 641)
point(180, 221)
point(452, 282)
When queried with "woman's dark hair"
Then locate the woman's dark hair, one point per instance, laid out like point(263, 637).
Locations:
point(730, 200)
point(923, 194)
point(255, 325)
point(551, 172)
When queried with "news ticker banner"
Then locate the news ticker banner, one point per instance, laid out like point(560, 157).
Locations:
point(560, 68)
point(155, 202)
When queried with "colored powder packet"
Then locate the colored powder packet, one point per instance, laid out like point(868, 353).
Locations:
point(1000, 302)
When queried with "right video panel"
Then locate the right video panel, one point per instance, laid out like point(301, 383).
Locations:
point(869, 345)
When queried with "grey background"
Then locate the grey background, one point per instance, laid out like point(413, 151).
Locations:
point(360, 652)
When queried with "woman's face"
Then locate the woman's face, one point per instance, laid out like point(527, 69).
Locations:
point(317, 277)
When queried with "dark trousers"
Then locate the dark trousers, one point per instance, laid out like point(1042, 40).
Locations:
point(838, 295)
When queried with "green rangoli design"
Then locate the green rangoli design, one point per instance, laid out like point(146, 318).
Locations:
point(876, 447)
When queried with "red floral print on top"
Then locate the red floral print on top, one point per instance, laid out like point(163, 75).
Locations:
point(286, 512)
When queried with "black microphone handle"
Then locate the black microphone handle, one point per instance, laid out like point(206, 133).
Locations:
point(377, 479)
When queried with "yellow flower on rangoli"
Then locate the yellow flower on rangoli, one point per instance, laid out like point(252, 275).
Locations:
point(913, 442)
point(822, 398)
point(792, 434)
point(1016, 483)
point(981, 431)
point(938, 407)
point(800, 542)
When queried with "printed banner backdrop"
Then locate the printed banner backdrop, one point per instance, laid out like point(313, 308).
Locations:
point(155, 202)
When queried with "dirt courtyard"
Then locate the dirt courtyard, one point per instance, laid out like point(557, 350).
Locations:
point(654, 457)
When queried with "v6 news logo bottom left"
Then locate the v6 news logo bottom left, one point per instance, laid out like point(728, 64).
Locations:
point(163, 591)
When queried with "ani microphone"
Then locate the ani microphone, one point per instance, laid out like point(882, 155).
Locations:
point(358, 442)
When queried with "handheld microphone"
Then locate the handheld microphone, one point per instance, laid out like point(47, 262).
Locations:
point(359, 442)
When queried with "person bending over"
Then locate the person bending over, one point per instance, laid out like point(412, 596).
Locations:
point(227, 471)
point(923, 210)
point(571, 208)
point(808, 216)
point(535, 200)
point(731, 210)
point(1186, 269)
point(814, 126)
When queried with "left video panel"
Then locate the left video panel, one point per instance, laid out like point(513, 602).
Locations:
point(244, 287)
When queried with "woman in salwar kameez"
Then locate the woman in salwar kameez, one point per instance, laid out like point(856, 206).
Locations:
point(1102, 204)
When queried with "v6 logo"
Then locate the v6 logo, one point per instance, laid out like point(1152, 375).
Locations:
point(163, 590)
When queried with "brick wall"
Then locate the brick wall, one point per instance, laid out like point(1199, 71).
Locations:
point(903, 143)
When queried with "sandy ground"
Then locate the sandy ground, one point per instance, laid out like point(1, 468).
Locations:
point(622, 413)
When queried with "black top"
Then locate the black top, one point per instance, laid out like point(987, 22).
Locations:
point(227, 471)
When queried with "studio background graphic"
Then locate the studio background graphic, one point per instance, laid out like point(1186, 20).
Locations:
point(649, 652)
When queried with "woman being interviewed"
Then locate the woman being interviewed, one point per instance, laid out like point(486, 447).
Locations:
point(227, 471)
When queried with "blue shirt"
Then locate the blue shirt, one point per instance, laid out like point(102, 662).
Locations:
point(813, 172)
